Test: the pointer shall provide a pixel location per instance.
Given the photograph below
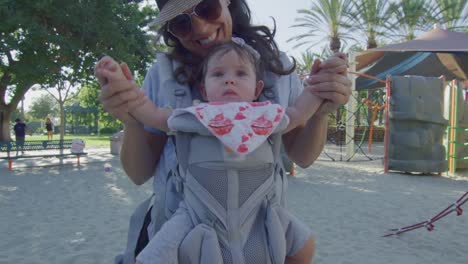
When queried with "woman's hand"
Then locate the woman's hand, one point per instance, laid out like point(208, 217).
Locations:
point(328, 80)
point(118, 97)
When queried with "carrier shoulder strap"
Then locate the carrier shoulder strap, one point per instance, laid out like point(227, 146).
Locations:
point(179, 97)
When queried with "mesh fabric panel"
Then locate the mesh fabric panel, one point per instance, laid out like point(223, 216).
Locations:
point(250, 180)
point(226, 254)
point(214, 181)
point(254, 250)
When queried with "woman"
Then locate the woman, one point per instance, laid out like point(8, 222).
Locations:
point(192, 28)
point(49, 127)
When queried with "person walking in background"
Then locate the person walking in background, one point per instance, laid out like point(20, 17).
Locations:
point(50, 128)
point(20, 134)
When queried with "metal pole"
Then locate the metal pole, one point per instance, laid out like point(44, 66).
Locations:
point(351, 109)
point(388, 87)
point(455, 127)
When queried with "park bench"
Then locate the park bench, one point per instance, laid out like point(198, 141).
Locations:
point(43, 148)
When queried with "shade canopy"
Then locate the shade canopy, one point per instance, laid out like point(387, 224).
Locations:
point(435, 53)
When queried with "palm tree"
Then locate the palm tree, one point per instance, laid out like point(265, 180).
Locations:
point(370, 18)
point(325, 19)
point(452, 14)
point(409, 17)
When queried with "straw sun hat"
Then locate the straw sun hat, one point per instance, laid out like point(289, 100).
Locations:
point(168, 9)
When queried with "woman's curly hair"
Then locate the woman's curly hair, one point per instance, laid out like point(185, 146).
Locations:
point(261, 38)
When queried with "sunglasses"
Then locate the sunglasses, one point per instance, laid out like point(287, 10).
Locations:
point(181, 25)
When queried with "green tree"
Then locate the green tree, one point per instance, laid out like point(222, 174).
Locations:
point(327, 20)
point(370, 17)
point(88, 97)
point(410, 16)
point(62, 93)
point(42, 107)
point(451, 14)
point(81, 119)
point(42, 39)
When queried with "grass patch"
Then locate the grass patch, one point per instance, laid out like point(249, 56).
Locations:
point(101, 141)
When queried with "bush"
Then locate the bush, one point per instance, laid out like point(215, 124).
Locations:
point(33, 127)
point(108, 130)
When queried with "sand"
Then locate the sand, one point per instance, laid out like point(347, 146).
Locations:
point(66, 214)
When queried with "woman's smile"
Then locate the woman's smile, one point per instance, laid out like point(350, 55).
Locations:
point(210, 40)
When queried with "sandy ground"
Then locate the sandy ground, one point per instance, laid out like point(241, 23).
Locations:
point(53, 214)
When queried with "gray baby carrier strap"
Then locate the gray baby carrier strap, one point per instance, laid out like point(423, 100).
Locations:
point(179, 96)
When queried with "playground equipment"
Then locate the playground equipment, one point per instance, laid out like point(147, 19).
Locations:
point(375, 107)
point(438, 51)
point(457, 131)
point(415, 125)
point(429, 224)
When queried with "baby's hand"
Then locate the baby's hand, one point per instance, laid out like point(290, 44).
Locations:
point(107, 70)
point(337, 63)
point(119, 92)
point(328, 80)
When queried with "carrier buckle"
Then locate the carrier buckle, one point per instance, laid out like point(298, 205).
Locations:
point(179, 186)
point(179, 92)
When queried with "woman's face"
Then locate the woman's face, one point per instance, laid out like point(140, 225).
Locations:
point(207, 33)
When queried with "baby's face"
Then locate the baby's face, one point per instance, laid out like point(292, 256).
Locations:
point(230, 78)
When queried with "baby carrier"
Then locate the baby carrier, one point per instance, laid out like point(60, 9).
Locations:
point(234, 203)
point(237, 209)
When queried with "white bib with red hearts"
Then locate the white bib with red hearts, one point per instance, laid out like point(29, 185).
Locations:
point(240, 126)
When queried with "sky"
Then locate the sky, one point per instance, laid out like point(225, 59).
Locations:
point(284, 13)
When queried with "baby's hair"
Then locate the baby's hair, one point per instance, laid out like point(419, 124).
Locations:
point(245, 53)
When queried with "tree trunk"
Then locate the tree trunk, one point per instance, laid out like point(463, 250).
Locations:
point(62, 121)
point(62, 128)
point(5, 116)
point(335, 44)
point(371, 43)
point(7, 109)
